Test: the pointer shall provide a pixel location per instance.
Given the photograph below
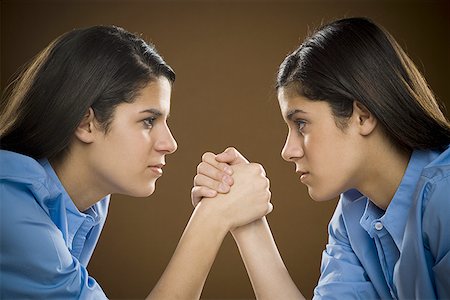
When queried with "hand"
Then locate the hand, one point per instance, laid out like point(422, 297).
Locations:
point(246, 201)
point(214, 174)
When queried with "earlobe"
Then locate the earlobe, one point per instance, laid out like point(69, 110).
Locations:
point(366, 120)
point(85, 130)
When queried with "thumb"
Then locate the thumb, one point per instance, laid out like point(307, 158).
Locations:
point(231, 156)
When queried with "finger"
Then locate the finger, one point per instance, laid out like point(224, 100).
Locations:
point(212, 172)
point(259, 169)
point(199, 192)
point(218, 186)
point(210, 158)
point(231, 156)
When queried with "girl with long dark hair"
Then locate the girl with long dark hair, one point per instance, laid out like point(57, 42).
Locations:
point(88, 118)
point(363, 124)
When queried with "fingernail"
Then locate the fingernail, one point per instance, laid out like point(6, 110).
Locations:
point(227, 179)
point(223, 188)
point(228, 170)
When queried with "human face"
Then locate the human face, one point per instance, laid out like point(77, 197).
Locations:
point(129, 158)
point(326, 157)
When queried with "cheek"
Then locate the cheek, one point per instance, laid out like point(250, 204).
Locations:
point(331, 164)
point(134, 143)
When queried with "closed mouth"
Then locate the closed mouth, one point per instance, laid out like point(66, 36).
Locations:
point(157, 168)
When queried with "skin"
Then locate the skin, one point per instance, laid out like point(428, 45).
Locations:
point(329, 160)
point(128, 159)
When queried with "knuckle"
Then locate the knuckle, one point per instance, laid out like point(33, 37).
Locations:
point(202, 167)
point(253, 167)
point(232, 150)
point(196, 179)
point(258, 168)
point(194, 191)
point(206, 155)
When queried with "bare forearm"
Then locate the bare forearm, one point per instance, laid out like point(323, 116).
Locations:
point(268, 274)
point(188, 269)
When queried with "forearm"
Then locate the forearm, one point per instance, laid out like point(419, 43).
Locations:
point(188, 269)
point(268, 274)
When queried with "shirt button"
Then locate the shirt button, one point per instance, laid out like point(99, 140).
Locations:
point(378, 225)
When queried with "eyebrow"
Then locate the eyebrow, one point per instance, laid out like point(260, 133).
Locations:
point(152, 111)
point(292, 112)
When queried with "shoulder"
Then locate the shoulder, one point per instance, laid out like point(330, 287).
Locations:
point(439, 167)
point(434, 199)
point(434, 183)
point(433, 196)
point(24, 182)
point(19, 167)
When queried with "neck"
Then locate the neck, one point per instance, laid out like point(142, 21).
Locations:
point(75, 177)
point(386, 168)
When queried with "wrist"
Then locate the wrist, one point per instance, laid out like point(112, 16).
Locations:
point(210, 218)
point(251, 229)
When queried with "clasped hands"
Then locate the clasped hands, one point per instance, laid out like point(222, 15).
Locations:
point(236, 190)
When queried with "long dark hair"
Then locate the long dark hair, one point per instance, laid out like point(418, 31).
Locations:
point(98, 67)
point(355, 60)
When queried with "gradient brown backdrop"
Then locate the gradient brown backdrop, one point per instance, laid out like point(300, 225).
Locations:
point(225, 54)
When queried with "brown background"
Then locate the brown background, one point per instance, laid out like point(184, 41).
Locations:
point(225, 54)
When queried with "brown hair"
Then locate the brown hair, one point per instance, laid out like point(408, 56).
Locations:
point(355, 60)
point(98, 67)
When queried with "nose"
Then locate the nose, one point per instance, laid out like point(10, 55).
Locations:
point(293, 148)
point(167, 142)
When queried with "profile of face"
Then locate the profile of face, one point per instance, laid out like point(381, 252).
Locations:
point(129, 157)
point(326, 157)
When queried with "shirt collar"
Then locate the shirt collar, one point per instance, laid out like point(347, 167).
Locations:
point(396, 215)
point(75, 218)
point(70, 206)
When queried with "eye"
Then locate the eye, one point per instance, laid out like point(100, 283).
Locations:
point(148, 123)
point(300, 124)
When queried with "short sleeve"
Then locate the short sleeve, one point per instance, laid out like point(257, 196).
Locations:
point(342, 275)
point(35, 261)
point(436, 225)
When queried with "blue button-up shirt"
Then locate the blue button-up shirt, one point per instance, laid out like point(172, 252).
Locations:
point(400, 253)
point(45, 241)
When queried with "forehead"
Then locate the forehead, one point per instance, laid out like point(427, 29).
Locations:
point(291, 102)
point(156, 94)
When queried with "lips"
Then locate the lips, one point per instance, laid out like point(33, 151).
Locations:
point(157, 168)
point(303, 174)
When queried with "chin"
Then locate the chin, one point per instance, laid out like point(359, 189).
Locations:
point(143, 192)
point(321, 196)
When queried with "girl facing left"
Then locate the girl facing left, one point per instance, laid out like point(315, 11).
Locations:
point(88, 118)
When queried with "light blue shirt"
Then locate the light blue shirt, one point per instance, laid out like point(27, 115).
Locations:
point(400, 253)
point(45, 241)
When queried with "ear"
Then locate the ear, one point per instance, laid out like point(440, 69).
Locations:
point(85, 130)
point(366, 121)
